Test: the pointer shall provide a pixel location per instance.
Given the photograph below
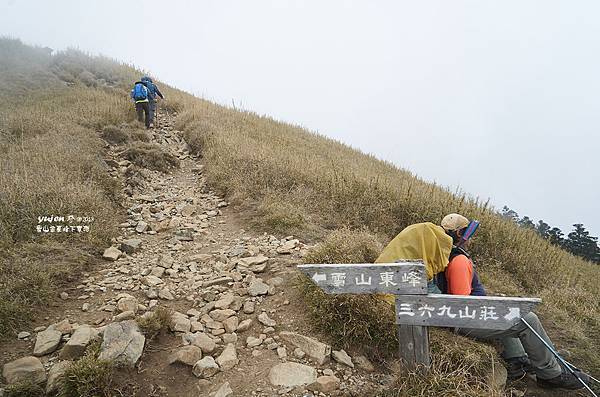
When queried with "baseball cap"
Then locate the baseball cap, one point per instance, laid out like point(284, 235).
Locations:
point(453, 222)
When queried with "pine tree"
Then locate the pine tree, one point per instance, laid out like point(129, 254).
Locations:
point(556, 236)
point(543, 229)
point(527, 223)
point(580, 243)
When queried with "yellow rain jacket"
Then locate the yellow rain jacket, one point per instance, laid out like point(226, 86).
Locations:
point(425, 241)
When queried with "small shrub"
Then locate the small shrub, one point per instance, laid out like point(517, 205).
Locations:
point(24, 389)
point(346, 246)
point(280, 217)
point(139, 135)
point(202, 132)
point(460, 367)
point(151, 156)
point(114, 135)
point(155, 323)
point(88, 376)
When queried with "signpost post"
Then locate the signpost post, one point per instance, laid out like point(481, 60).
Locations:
point(415, 308)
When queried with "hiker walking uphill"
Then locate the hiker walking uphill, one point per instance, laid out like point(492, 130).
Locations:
point(450, 270)
point(140, 95)
point(153, 93)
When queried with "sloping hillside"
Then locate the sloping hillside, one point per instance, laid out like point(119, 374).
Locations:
point(184, 207)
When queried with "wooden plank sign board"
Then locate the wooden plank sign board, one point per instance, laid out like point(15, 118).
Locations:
point(483, 312)
point(415, 309)
point(402, 278)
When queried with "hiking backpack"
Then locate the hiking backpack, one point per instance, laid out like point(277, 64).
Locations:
point(140, 92)
point(149, 84)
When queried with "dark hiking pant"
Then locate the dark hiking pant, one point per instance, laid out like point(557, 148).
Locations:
point(519, 341)
point(152, 106)
point(143, 113)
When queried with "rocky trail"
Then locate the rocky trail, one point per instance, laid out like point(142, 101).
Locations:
point(238, 326)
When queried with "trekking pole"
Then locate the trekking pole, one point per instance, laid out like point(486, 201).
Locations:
point(156, 112)
point(559, 358)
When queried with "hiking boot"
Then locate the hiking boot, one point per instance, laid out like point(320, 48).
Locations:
point(518, 367)
point(565, 380)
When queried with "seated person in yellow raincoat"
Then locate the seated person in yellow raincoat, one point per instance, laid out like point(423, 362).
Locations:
point(435, 245)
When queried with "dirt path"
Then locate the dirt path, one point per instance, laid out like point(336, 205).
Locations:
point(188, 252)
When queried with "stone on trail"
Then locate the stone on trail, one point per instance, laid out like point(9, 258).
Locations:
point(128, 315)
point(24, 369)
point(75, 347)
point(205, 368)
point(281, 352)
point(204, 342)
point(196, 326)
point(23, 335)
point(228, 358)
point(221, 314)
point(231, 324)
point(257, 287)
point(166, 294)
point(229, 338)
point(249, 307)
point(157, 271)
point(252, 341)
point(46, 342)
point(127, 303)
point(266, 320)
point(152, 281)
point(244, 325)
point(64, 326)
point(252, 260)
point(318, 351)
point(111, 254)
point(287, 247)
point(225, 301)
point(165, 261)
point(122, 343)
point(130, 246)
point(292, 374)
point(216, 281)
point(342, 357)
point(325, 384)
point(188, 355)
point(141, 227)
point(188, 210)
point(224, 390)
point(54, 374)
point(180, 323)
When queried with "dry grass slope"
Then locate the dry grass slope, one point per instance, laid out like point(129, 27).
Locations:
point(57, 108)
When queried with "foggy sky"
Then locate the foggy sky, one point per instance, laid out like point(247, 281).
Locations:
point(498, 98)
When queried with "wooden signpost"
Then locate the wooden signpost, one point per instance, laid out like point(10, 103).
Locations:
point(415, 308)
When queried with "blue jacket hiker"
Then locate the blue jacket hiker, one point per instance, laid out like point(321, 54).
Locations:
point(141, 96)
point(153, 93)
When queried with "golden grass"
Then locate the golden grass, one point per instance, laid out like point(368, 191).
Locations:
point(51, 163)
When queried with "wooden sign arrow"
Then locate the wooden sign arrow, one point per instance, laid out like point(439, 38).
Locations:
point(485, 312)
point(406, 277)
